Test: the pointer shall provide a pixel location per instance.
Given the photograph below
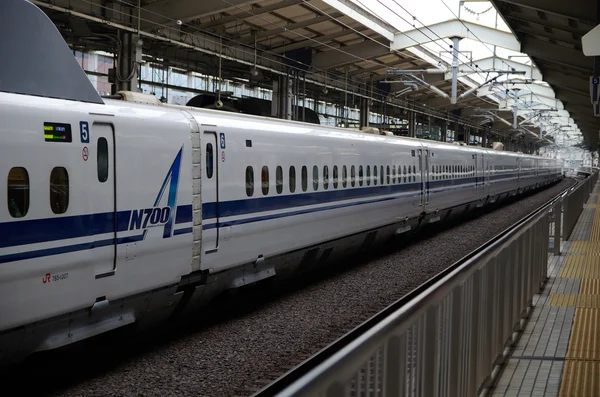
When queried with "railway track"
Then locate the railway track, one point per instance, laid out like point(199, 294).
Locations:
point(290, 375)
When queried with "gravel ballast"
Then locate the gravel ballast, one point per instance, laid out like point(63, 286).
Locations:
point(251, 338)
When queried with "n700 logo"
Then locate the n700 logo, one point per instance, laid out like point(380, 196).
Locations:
point(155, 216)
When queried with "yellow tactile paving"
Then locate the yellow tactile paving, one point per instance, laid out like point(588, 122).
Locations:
point(589, 301)
point(581, 374)
point(585, 336)
point(579, 247)
point(581, 378)
point(580, 266)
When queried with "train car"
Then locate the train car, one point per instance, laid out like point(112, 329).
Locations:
point(115, 213)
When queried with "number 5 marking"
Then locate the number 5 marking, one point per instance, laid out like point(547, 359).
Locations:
point(84, 132)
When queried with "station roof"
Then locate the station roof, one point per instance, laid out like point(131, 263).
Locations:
point(550, 33)
point(337, 43)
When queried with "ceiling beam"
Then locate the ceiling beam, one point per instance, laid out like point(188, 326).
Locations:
point(290, 27)
point(351, 54)
point(163, 12)
point(453, 28)
point(256, 11)
point(555, 53)
point(577, 9)
point(309, 42)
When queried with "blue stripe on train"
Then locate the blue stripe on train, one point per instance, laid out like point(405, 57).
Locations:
point(68, 248)
point(60, 228)
point(68, 227)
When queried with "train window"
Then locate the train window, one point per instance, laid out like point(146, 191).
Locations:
point(249, 181)
point(265, 180)
point(360, 175)
point(325, 177)
point(399, 173)
point(404, 174)
point(374, 175)
point(315, 177)
point(102, 160)
point(344, 176)
point(209, 160)
point(393, 175)
point(335, 176)
point(292, 180)
point(18, 192)
point(59, 190)
point(381, 175)
point(353, 176)
point(279, 179)
point(388, 175)
point(304, 178)
point(414, 173)
point(368, 175)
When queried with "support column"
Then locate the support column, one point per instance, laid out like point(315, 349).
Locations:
point(281, 105)
point(92, 64)
point(455, 41)
point(128, 61)
point(411, 124)
point(444, 131)
point(364, 112)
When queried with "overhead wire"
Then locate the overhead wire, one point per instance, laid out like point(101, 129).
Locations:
point(275, 61)
point(485, 45)
point(440, 38)
point(380, 92)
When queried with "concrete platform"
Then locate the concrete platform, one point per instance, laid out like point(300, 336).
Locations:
point(559, 351)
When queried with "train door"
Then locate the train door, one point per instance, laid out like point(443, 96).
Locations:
point(424, 171)
point(478, 174)
point(210, 191)
point(489, 166)
point(101, 151)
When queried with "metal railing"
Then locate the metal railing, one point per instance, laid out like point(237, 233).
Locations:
point(574, 201)
point(452, 338)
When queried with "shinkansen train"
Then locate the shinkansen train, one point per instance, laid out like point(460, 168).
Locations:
point(114, 212)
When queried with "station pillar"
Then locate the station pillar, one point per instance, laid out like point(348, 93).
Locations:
point(281, 105)
point(411, 124)
point(129, 58)
point(444, 131)
point(364, 112)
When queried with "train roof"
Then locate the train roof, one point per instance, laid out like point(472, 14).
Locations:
point(36, 60)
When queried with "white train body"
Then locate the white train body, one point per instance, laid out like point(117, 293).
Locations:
point(164, 207)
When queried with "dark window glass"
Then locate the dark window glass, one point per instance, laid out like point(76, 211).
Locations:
point(249, 181)
point(209, 160)
point(304, 178)
point(325, 177)
point(344, 176)
point(315, 177)
point(102, 160)
point(279, 179)
point(59, 190)
point(292, 180)
point(381, 174)
point(360, 175)
point(393, 175)
point(265, 180)
point(368, 175)
point(335, 176)
point(374, 175)
point(18, 192)
point(388, 175)
point(353, 176)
